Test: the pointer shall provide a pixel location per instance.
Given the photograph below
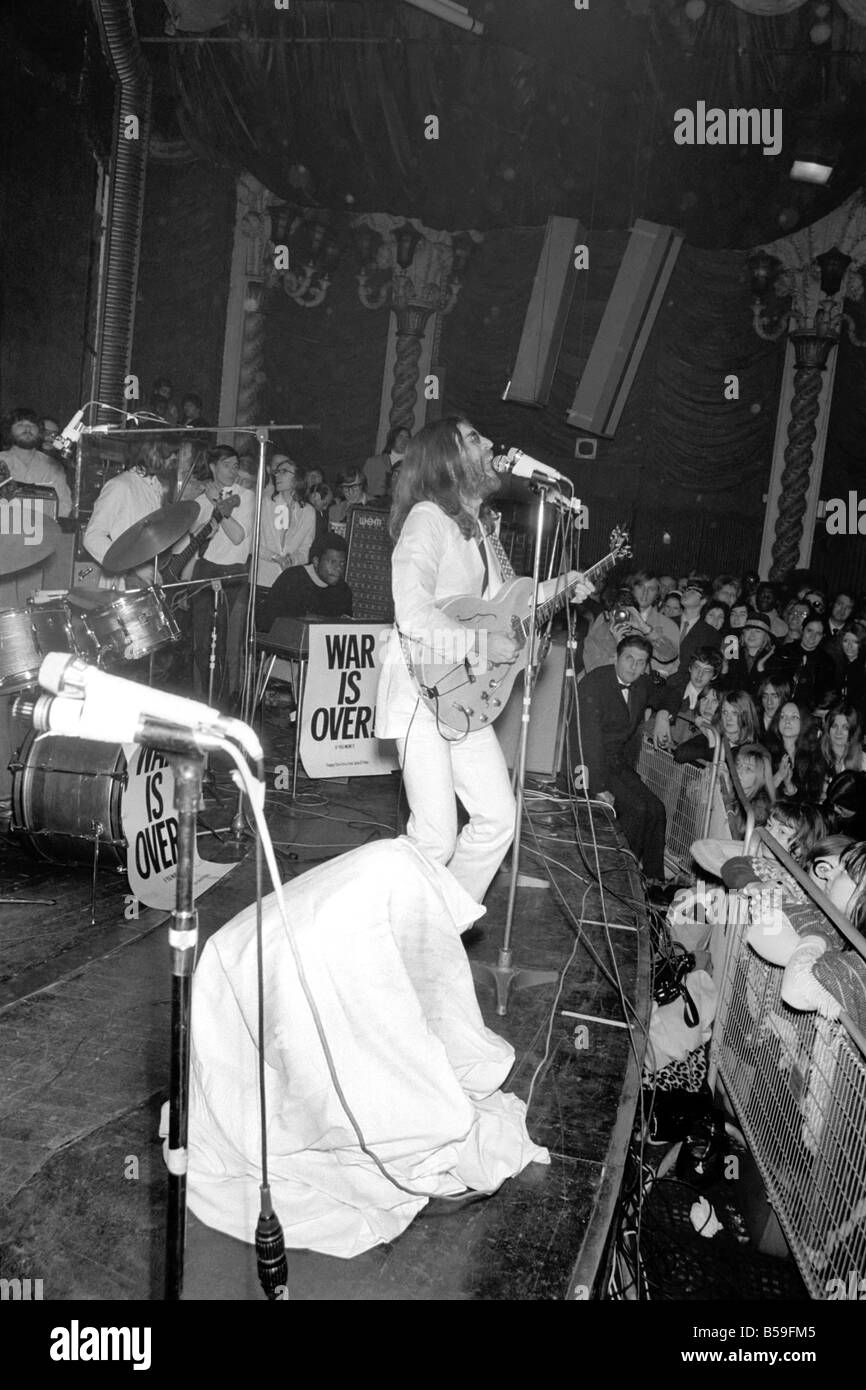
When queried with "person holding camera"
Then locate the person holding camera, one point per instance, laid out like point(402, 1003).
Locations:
point(626, 619)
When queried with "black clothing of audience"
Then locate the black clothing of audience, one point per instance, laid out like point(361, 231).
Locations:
point(294, 594)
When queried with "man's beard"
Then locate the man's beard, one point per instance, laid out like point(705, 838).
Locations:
point(31, 443)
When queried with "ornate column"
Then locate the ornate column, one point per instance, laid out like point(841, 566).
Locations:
point(421, 273)
point(811, 298)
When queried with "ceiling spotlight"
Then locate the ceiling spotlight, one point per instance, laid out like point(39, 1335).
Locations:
point(815, 153)
point(811, 171)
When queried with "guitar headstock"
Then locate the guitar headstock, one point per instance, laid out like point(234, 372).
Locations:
point(620, 543)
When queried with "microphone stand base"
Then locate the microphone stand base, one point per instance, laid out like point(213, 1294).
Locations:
point(504, 977)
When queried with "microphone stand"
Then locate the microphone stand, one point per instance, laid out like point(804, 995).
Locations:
point(183, 941)
point(504, 975)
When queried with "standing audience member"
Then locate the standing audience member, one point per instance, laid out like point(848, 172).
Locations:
point(613, 702)
point(852, 672)
point(288, 526)
point(809, 669)
point(767, 602)
point(746, 671)
point(664, 635)
point(378, 469)
point(841, 743)
point(695, 631)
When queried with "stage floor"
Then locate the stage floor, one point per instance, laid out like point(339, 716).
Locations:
point(84, 1039)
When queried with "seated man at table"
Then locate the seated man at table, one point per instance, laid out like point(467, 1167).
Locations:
point(316, 590)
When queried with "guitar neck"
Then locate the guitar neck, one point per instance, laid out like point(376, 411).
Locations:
point(178, 563)
point(552, 605)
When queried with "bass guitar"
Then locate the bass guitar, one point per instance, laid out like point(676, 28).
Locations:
point(462, 697)
point(173, 566)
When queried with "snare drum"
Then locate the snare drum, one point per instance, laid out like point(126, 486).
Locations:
point(133, 625)
point(62, 789)
point(59, 627)
point(20, 658)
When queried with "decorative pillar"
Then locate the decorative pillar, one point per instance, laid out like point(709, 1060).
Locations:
point(793, 519)
point(421, 272)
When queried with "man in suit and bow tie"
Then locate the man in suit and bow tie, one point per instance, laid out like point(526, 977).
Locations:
point(613, 701)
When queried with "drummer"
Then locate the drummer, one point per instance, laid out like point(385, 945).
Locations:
point(124, 500)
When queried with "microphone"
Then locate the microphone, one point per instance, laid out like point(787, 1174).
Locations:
point(522, 466)
point(112, 710)
point(66, 441)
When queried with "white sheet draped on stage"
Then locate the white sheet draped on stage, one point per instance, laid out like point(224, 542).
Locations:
point(378, 931)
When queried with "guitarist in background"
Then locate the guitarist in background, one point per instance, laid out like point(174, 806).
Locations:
point(126, 498)
point(225, 557)
point(439, 523)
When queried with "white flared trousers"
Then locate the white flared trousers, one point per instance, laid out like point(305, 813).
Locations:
point(475, 771)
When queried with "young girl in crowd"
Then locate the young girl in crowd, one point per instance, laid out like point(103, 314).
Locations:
point(797, 826)
point(841, 745)
point(798, 766)
point(772, 693)
point(755, 772)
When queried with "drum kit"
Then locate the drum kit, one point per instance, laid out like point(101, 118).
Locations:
point(67, 793)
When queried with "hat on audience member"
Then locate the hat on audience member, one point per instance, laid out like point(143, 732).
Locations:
point(759, 621)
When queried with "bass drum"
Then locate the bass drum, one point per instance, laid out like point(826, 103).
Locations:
point(65, 793)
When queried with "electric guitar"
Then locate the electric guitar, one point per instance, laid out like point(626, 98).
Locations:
point(173, 567)
point(465, 699)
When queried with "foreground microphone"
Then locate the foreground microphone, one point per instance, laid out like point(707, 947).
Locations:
point(112, 710)
point(522, 466)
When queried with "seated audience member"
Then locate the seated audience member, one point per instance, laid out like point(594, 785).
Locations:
point(698, 747)
point(747, 670)
point(320, 498)
point(613, 701)
point(809, 669)
point(820, 971)
point(794, 616)
point(316, 590)
point(755, 774)
point(841, 743)
point(797, 826)
point(288, 525)
point(844, 806)
point(767, 602)
point(671, 606)
point(717, 614)
point(350, 493)
point(851, 669)
point(771, 694)
point(162, 402)
point(378, 469)
point(726, 589)
point(736, 720)
point(675, 721)
point(695, 631)
point(26, 463)
point(664, 633)
point(841, 608)
point(798, 768)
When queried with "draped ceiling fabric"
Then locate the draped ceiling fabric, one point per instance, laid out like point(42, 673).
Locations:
point(552, 110)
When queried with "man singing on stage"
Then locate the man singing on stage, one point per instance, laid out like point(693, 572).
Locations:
point(439, 522)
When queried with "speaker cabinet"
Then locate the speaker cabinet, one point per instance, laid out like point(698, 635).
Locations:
point(625, 328)
point(546, 725)
point(546, 314)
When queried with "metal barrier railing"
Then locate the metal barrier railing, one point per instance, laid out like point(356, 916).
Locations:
point(797, 1083)
point(691, 797)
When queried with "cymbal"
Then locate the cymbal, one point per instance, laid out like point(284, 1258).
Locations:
point(150, 536)
point(20, 552)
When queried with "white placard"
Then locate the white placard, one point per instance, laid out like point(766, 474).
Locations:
point(340, 703)
point(150, 826)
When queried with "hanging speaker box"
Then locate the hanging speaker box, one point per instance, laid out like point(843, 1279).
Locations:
point(625, 328)
point(546, 313)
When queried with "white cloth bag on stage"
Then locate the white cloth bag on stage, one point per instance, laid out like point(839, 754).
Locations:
point(378, 931)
